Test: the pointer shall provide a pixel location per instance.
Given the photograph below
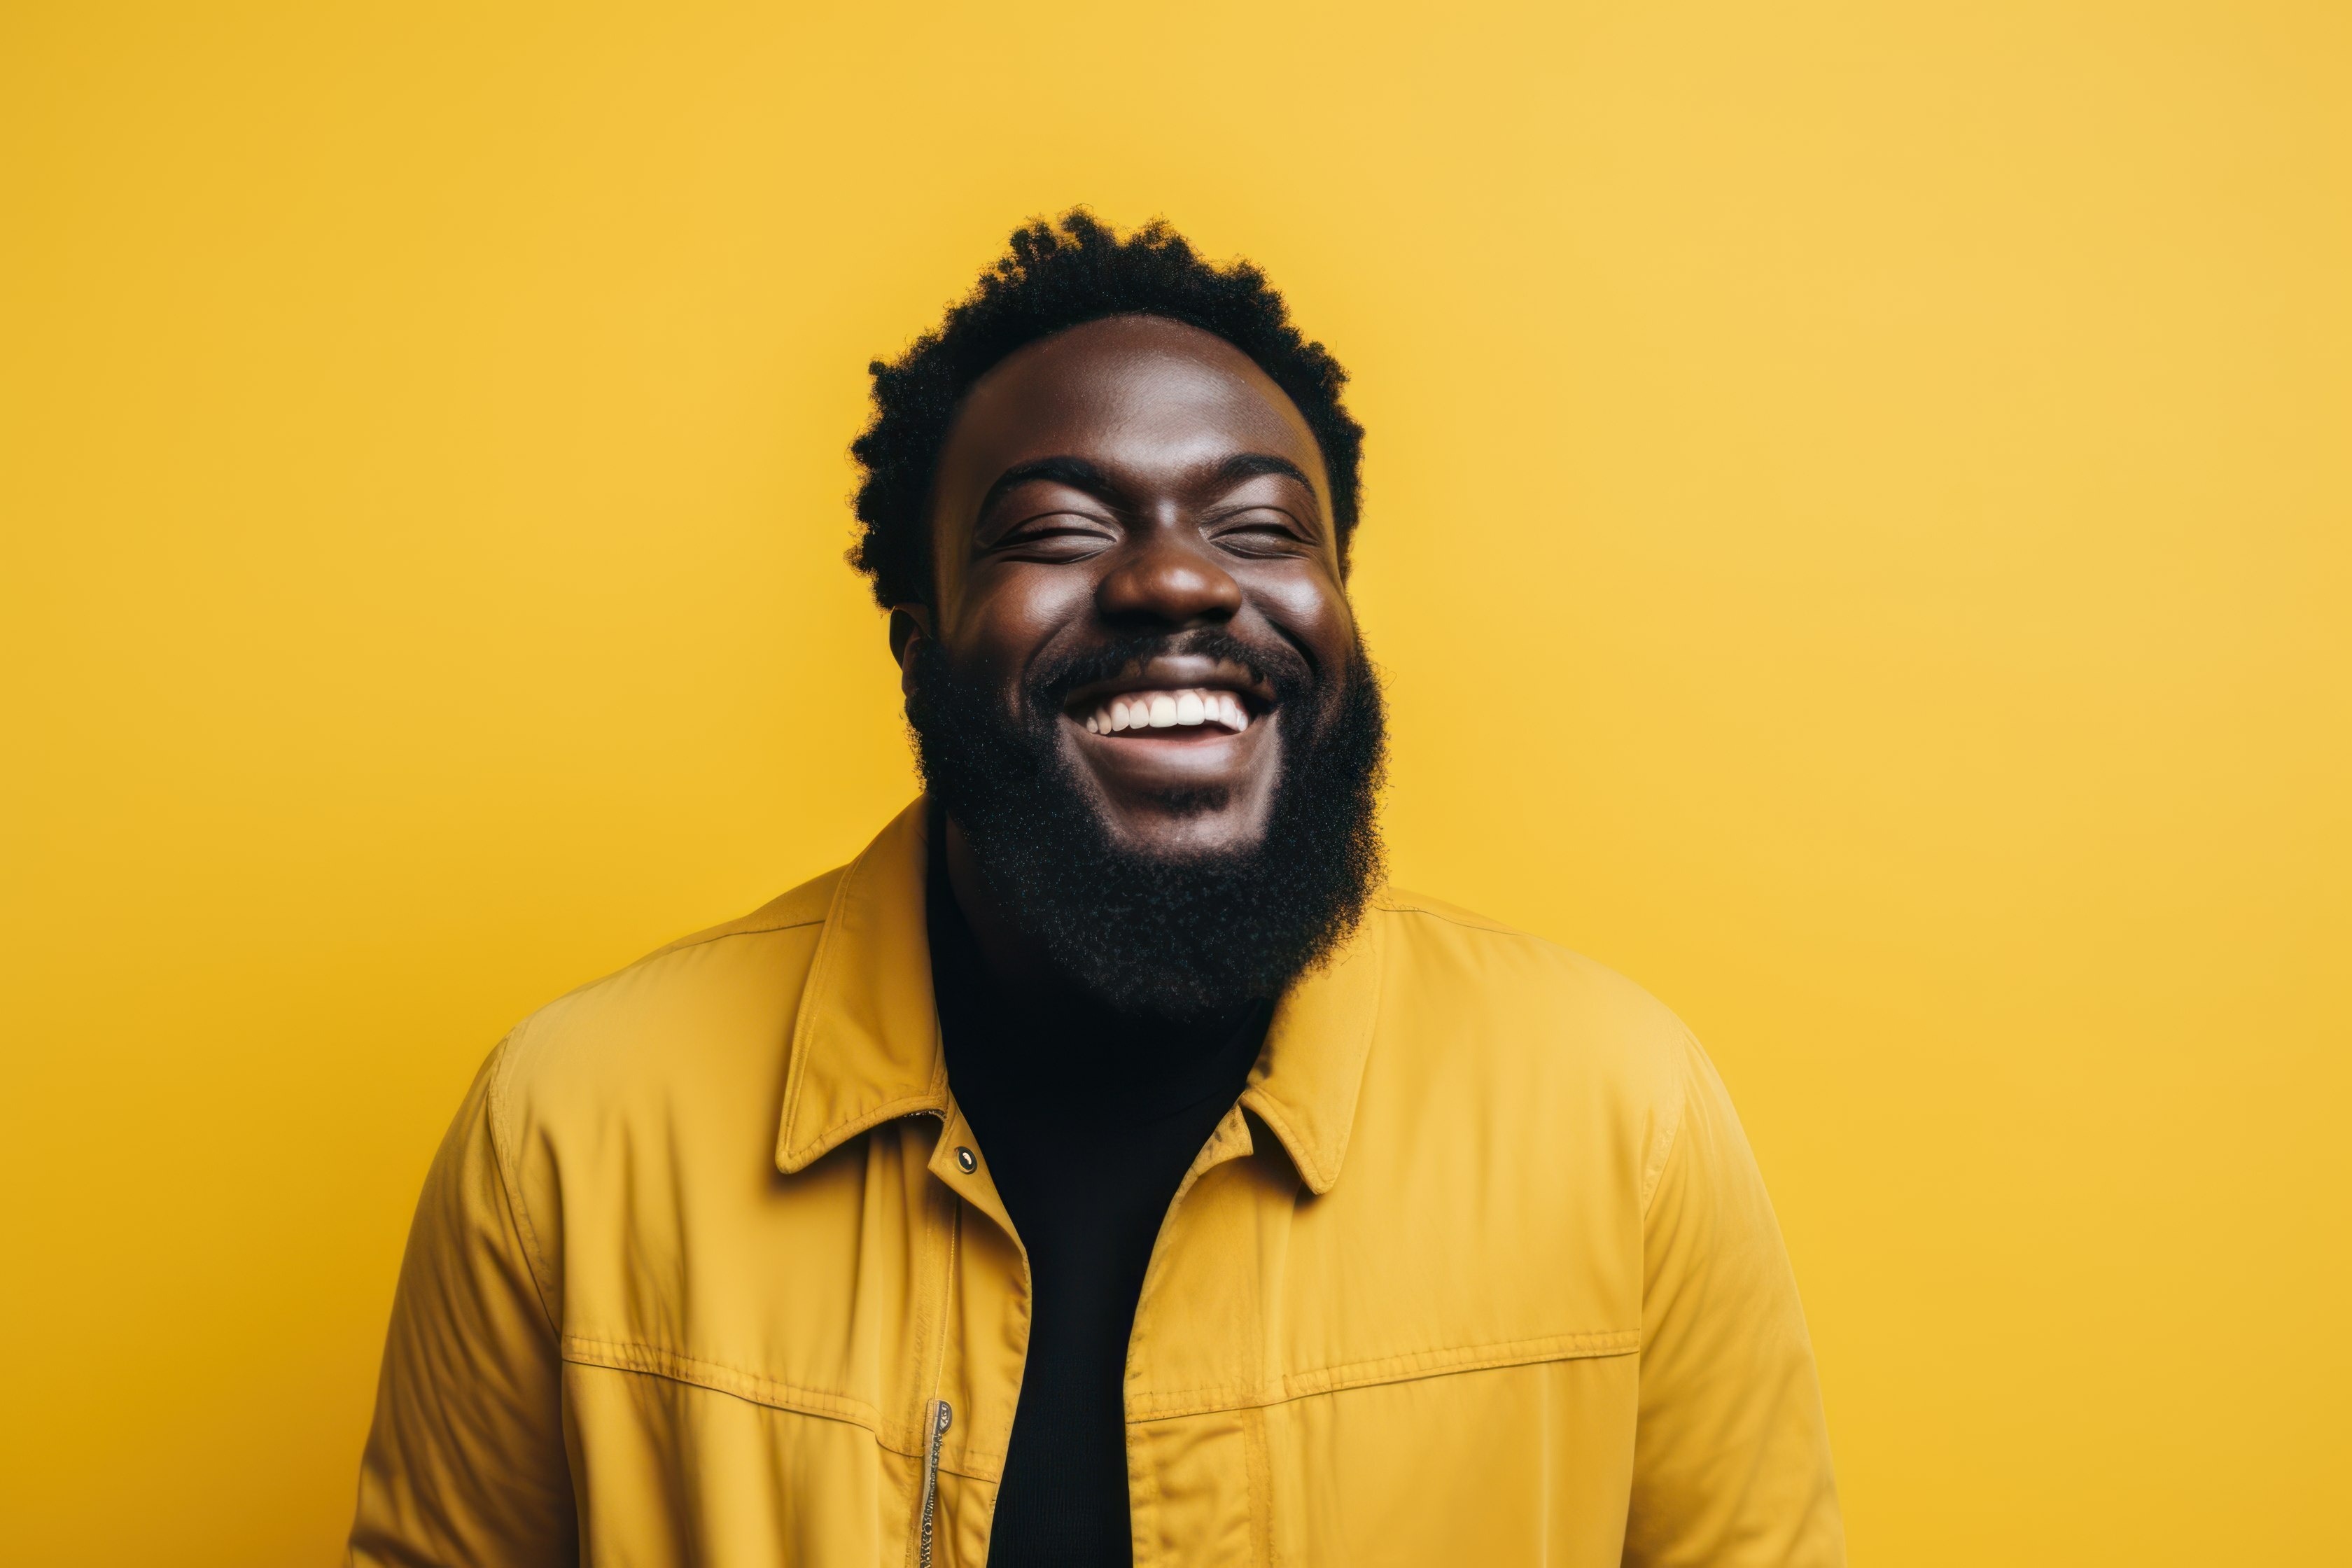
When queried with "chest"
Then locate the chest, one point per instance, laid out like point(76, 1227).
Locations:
point(1444, 1344)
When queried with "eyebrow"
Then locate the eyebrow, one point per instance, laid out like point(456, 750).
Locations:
point(1075, 472)
point(1081, 475)
point(1249, 465)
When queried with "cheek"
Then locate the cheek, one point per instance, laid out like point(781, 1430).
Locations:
point(1307, 604)
point(1006, 616)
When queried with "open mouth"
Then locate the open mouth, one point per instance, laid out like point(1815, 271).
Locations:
point(1166, 706)
point(1189, 713)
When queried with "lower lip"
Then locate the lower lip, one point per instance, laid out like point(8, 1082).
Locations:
point(1131, 764)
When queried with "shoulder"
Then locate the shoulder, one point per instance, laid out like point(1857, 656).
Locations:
point(1436, 950)
point(1503, 1062)
point(691, 1017)
point(1472, 998)
point(805, 905)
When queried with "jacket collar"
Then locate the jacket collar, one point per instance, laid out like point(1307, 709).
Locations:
point(865, 1044)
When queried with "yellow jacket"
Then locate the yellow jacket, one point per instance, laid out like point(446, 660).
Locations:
point(1479, 1272)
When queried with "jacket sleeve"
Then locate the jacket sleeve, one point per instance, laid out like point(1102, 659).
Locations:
point(466, 1462)
point(1731, 1458)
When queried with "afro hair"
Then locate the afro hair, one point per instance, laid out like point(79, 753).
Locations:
point(1058, 275)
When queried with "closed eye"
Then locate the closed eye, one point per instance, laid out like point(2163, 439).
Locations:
point(1261, 530)
point(1054, 537)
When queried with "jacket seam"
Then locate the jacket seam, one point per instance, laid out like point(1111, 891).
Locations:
point(703, 938)
point(624, 1355)
point(1490, 928)
point(692, 939)
point(1410, 1367)
point(773, 1393)
point(1653, 1175)
point(503, 1164)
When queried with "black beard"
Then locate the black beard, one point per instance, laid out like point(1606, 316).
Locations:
point(1180, 937)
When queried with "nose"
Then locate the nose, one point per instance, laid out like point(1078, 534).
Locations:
point(1167, 581)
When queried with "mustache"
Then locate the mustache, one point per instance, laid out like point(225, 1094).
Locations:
point(1278, 665)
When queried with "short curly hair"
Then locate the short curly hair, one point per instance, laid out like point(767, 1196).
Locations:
point(1057, 274)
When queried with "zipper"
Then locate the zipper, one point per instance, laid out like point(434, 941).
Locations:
point(943, 1415)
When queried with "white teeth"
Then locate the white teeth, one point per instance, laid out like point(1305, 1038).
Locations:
point(1169, 711)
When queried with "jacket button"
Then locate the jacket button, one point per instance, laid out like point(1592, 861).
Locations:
point(967, 1162)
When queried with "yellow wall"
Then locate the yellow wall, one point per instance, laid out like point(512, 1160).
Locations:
point(1857, 529)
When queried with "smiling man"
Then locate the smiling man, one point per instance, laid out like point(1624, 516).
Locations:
point(1104, 1167)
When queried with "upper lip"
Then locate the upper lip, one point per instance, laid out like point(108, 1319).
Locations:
point(1175, 672)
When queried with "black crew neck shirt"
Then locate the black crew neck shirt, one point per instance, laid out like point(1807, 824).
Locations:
point(1088, 1119)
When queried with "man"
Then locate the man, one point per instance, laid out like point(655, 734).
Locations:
point(1102, 1167)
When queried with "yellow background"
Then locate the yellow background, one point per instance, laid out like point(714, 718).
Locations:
point(1857, 530)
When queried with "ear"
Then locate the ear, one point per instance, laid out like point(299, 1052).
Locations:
point(909, 622)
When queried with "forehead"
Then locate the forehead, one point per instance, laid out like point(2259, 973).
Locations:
point(1139, 393)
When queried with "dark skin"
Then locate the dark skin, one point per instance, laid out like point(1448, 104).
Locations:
point(1133, 476)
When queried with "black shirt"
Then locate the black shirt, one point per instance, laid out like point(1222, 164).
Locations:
point(1089, 1121)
